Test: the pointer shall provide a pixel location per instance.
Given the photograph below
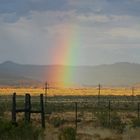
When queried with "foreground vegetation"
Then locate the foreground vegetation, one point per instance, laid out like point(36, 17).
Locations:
point(113, 116)
point(22, 131)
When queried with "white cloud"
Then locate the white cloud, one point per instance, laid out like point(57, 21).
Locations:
point(125, 32)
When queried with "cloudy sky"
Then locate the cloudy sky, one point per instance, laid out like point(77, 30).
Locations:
point(97, 31)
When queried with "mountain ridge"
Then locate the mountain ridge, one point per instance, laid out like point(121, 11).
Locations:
point(117, 74)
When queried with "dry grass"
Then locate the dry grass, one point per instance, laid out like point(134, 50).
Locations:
point(85, 130)
point(70, 91)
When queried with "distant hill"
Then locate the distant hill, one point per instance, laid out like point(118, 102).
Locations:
point(118, 74)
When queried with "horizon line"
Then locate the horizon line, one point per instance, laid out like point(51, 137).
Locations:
point(90, 65)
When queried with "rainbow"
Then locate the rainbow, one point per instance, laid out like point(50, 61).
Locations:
point(65, 53)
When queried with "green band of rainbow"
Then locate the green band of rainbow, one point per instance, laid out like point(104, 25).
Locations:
point(65, 52)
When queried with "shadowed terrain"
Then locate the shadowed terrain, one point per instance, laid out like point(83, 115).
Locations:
point(118, 74)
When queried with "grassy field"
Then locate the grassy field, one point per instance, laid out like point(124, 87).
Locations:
point(94, 121)
point(70, 91)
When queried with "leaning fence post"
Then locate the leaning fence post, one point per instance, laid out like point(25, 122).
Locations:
point(138, 110)
point(27, 107)
point(14, 108)
point(42, 111)
point(76, 115)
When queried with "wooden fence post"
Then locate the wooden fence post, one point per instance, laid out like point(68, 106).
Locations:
point(99, 93)
point(27, 107)
point(46, 97)
point(133, 94)
point(76, 109)
point(14, 108)
point(109, 112)
point(138, 110)
point(42, 111)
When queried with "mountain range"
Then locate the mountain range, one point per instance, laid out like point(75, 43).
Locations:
point(117, 74)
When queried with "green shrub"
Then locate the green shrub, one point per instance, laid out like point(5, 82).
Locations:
point(1, 110)
point(68, 133)
point(57, 121)
point(103, 118)
point(116, 123)
point(136, 122)
point(8, 131)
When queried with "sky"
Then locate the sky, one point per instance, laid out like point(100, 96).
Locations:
point(70, 32)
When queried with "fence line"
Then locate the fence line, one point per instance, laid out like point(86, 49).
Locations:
point(27, 109)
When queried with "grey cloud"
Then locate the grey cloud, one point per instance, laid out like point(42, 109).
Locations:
point(107, 7)
point(105, 30)
point(23, 7)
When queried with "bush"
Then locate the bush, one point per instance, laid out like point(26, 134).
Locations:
point(68, 133)
point(1, 110)
point(8, 131)
point(136, 122)
point(57, 121)
point(103, 118)
point(115, 121)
